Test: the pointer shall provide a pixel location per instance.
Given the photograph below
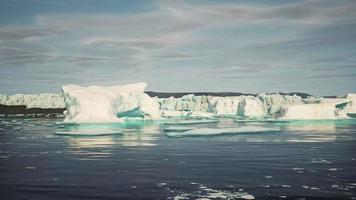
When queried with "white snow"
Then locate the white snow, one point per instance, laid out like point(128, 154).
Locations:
point(102, 104)
point(221, 131)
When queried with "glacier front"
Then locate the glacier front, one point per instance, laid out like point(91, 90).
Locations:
point(116, 103)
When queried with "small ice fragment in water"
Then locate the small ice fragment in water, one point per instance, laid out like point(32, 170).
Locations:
point(161, 184)
point(268, 176)
point(266, 186)
point(297, 168)
point(286, 186)
point(177, 129)
point(335, 186)
point(314, 188)
point(31, 167)
point(203, 192)
point(320, 161)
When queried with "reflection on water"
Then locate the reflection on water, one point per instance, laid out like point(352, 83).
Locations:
point(134, 134)
point(145, 133)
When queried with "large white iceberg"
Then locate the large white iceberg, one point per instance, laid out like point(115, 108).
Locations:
point(104, 104)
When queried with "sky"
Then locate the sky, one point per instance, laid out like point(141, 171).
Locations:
point(179, 46)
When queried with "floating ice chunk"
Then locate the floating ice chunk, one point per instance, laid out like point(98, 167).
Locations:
point(161, 184)
point(221, 131)
point(177, 129)
point(187, 122)
point(31, 167)
point(87, 133)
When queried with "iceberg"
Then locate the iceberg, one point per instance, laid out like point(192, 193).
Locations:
point(275, 104)
point(103, 104)
point(221, 131)
point(327, 109)
point(33, 101)
point(251, 106)
point(115, 103)
point(311, 111)
point(225, 106)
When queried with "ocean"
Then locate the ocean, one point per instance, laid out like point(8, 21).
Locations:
point(304, 160)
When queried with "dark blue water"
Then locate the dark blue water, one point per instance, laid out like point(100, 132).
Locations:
point(305, 160)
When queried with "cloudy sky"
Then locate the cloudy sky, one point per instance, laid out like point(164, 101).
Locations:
point(197, 45)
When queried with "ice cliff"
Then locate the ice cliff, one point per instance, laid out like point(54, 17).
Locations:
point(275, 106)
point(33, 101)
point(112, 104)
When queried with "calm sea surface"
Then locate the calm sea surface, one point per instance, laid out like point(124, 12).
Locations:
point(305, 160)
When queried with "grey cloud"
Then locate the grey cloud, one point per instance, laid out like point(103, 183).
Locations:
point(319, 12)
point(315, 40)
point(176, 55)
point(335, 68)
point(144, 43)
point(332, 76)
point(26, 33)
point(29, 55)
point(87, 59)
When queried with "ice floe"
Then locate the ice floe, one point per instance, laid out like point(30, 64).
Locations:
point(221, 131)
point(88, 133)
